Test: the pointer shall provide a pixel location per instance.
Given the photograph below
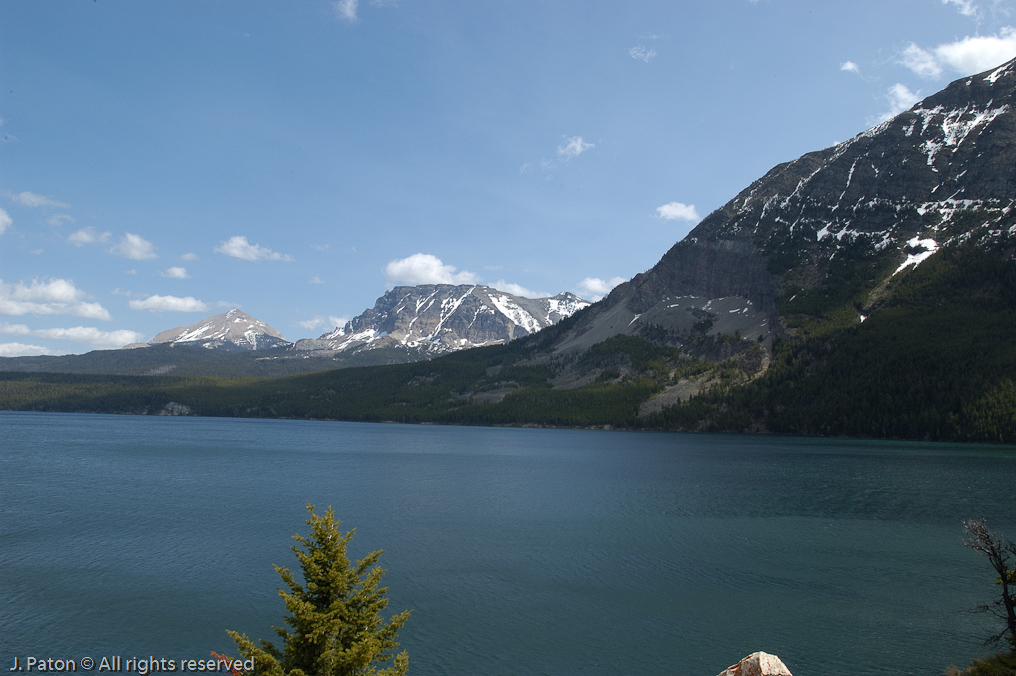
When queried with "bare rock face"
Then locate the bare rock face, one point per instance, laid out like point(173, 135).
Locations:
point(233, 330)
point(758, 664)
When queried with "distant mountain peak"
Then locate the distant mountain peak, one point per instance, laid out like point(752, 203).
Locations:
point(232, 330)
point(438, 318)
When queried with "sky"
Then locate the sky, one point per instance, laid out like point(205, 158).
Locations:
point(161, 162)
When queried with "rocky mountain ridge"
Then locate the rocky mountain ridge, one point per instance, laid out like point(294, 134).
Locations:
point(231, 330)
point(440, 318)
point(831, 224)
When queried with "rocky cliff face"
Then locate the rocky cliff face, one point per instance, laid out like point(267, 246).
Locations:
point(233, 330)
point(438, 318)
point(833, 221)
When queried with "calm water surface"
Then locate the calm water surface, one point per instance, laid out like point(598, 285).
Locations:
point(520, 551)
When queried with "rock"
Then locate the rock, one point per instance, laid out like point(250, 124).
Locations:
point(758, 664)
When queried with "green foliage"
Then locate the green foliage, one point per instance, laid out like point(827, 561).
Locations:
point(1002, 664)
point(335, 624)
point(936, 361)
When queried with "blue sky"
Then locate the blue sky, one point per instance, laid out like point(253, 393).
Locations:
point(164, 161)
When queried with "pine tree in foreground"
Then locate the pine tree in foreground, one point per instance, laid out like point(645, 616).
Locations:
point(335, 626)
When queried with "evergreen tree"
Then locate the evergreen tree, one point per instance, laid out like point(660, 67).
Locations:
point(335, 626)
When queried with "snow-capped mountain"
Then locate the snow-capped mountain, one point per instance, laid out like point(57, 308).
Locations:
point(233, 330)
point(438, 318)
point(839, 222)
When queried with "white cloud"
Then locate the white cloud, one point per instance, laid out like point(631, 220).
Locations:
point(189, 257)
point(346, 9)
point(921, 62)
point(574, 147)
point(134, 247)
point(850, 67)
point(519, 290)
point(640, 53)
point(594, 288)
point(92, 336)
point(175, 272)
point(168, 304)
point(30, 199)
point(423, 268)
point(239, 247)
point(964, 7)
point(900, 99)
point(5, 221)
point(968, 56)
point(328, 323)
point(81, 334)
point(53, 297)
point(316, 280)
point(60, 219)
point(676, 211)
point(22, 350)
point(976, 54)
point(87, 236)
point(15, 329)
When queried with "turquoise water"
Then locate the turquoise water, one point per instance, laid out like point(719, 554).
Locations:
point(520, 551)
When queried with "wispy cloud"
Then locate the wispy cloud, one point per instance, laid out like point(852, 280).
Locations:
point(900, 99)
point(22, 350)
point(189, 257)
point(175, 272)
point(676, 211)
point(519, 290)
point(421, 268)
point(31, 199)
point(594, 288)
point(50, 297)
point(850, 67)
point(573, 147)
point(134, 247)
point(964, 7)
point(640, 53)
point(921, 62)
point(327, 323)
point(87, 236)
point(316, 280)
point(81, 334)
point(967, 56)
point(239, 247)
point(59, 219)
point(346, 9)
point(5, 221)
point(168, 304)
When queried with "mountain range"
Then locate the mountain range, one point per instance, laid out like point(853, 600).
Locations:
point(441, 318)
point(408, 323)
point(865, 289)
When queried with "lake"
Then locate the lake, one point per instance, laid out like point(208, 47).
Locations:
point(520, 551)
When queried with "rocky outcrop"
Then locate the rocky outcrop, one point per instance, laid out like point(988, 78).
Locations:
point(758, 664)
